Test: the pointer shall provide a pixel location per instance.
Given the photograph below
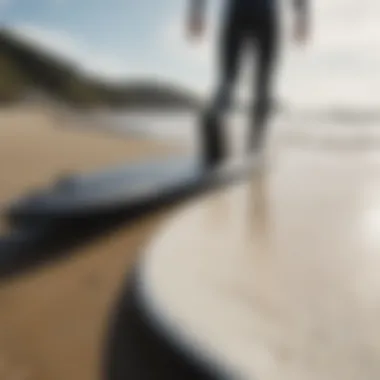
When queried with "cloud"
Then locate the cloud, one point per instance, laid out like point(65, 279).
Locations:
point(341, 63)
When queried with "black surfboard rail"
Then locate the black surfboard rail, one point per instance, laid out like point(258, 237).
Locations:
point(138, 348)
point(125, 187)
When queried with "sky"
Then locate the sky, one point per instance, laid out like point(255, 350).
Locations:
point(118, 39)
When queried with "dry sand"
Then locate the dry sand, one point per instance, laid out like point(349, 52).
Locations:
point(53, 319)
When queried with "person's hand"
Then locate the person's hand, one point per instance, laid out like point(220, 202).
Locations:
point(196, 27)
point(301, 31)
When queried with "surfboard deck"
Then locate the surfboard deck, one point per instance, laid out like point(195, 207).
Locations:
point(256, 280)
point(122, 187)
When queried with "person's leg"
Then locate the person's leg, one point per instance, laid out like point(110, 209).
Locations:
point(232, 37)
point(265, 38)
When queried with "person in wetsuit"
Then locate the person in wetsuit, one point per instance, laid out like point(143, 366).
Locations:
point(246, 21)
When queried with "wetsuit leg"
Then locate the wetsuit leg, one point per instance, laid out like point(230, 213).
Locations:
point(265, 39)
point(231, 44)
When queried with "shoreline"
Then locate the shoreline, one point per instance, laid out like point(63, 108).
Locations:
point(35, 148)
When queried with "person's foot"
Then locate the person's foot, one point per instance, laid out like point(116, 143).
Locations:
point(212, 142)
point(212, 159)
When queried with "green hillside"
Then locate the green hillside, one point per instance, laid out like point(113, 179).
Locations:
point(25, 68)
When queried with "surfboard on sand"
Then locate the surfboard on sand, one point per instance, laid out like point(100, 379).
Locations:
point(120, 188)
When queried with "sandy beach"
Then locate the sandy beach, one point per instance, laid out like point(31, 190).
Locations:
point(53, 319)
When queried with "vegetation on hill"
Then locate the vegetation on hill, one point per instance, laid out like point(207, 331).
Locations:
point(25, 69)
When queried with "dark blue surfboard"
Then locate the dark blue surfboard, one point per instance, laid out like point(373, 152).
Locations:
point(122, 187)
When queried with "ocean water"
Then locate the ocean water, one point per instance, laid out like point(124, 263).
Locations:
point(176, 127)
point(339, 125)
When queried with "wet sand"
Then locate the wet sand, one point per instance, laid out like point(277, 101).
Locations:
point(53, 319)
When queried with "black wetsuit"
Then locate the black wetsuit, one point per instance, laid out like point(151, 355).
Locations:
point(253, 23)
